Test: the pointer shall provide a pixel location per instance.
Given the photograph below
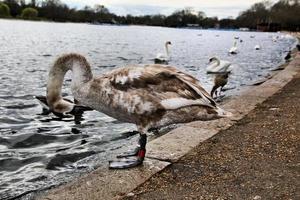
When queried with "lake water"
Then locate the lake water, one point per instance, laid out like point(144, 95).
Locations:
point(38, 151)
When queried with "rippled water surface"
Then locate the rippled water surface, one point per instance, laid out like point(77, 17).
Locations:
point(39, 151)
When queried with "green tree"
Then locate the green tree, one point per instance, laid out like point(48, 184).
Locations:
point(29, 13)
point(286, 12)
point(15, 8)
point(4, 10)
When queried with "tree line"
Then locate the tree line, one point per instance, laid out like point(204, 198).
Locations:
point(283, 12)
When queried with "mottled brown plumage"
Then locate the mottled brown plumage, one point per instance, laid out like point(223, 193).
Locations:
point(220, 81)
point(150, 96)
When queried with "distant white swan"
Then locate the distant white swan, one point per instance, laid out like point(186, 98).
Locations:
point(218, 66)
point(233, 50)
point(257, 47)
point(149, 96)
point(163, 58)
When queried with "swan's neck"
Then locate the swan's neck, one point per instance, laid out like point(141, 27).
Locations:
point(81, 71)
point(81, 74)
point(167, 50)
point(218, 61)
point(235, 44)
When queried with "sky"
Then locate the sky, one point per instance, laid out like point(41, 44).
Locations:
point(219, 8)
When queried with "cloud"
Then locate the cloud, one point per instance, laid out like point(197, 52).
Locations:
point(220, 8)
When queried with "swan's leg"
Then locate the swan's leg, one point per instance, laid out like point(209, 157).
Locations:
point(216, 93)
point(134, 152)
point(134, 159)
point(220, 91)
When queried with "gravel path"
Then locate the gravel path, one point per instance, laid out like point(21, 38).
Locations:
point(257, 158)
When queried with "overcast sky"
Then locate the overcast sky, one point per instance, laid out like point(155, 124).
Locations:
point(219, 8)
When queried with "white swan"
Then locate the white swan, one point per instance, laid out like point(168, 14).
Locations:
point(257, 47)
point(149, 96)
point(161, 58)
point(218, 66)
point(233, 50)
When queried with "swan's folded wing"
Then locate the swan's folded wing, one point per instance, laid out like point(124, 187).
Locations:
point(165, 85)
point(224, 65)
point(160, 56)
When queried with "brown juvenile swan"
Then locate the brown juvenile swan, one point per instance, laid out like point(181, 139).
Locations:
point(149, 96)
point(220, 81)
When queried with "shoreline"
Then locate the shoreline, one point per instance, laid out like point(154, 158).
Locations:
point(295, 34)
point(169, 148)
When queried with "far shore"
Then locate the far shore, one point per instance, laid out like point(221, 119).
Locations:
point(296, 34)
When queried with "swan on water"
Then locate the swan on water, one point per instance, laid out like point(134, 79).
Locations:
point(257, 47)
point(218, 66)
point(233, 50)
point(150, 96)
point(220, 81)
point(161, 58)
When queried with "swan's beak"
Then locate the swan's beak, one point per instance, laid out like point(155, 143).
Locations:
point(79, 110)
point(41, 99)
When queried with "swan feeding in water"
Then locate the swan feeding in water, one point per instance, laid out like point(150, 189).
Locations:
point(233, 50)
point(150, 96)
point(77, 111)
point(218, 66)
point(161, 58)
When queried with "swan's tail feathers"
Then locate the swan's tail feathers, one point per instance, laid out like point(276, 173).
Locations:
point(223, 113)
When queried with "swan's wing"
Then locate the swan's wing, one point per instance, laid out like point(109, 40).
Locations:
point(211, 68)
point(161, 57)
point(224, 65)
point(162, 87)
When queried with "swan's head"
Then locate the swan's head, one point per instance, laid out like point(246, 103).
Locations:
point(66, 108)
point(168, 43)
point(213, 59)
point(60, 107)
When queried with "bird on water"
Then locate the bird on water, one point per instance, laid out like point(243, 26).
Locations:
point(233, 49)
point(163, 58)
point(218, 66)
point(150, 96)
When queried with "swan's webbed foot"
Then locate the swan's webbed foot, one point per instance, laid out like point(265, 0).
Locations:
point(126, 163)
point(131, 159)
point(129, 153)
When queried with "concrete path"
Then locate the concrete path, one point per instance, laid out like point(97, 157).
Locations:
point(256, 158)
